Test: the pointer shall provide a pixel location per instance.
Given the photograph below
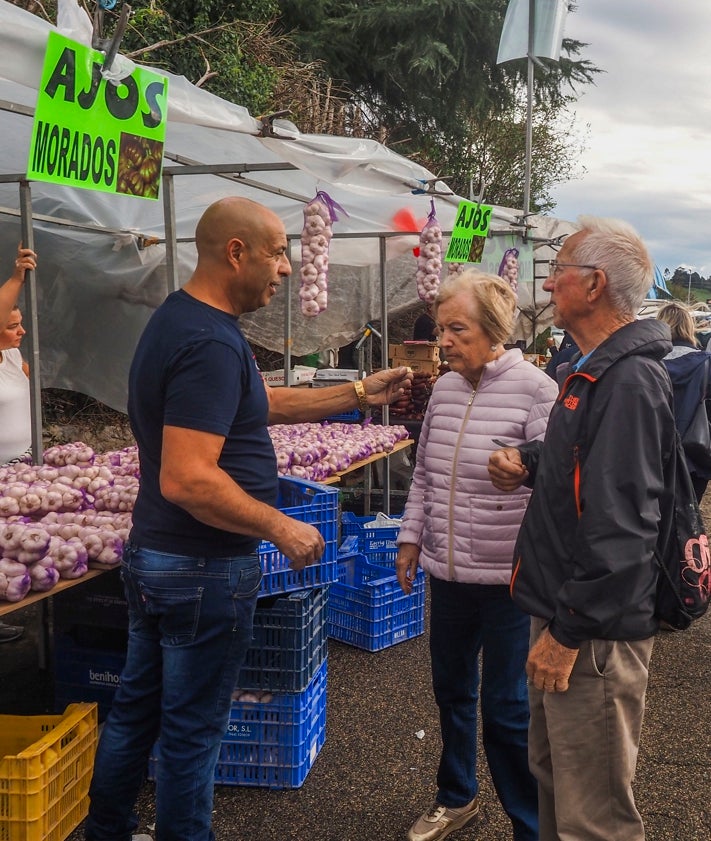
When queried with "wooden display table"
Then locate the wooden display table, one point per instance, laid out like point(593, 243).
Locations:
point(45, 638)
point(63, 584)
point(356, 465)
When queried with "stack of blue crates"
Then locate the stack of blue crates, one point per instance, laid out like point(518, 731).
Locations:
point(274, 741)
point(277, 723)
point(271, 741)
point(367, 607)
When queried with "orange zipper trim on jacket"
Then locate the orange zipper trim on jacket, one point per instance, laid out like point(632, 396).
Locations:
point(576, 448)
point(561, 393)
point(576, 473)
point(513, 576)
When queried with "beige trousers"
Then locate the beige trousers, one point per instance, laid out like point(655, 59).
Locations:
point(583, 743)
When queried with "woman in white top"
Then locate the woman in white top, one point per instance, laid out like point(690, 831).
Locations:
point(15, 425)
point(15, 428)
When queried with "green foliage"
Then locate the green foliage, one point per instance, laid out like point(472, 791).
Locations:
point(216, 11)
point(430, 58)
point(681, 278)
point(491, 153)
point(680, 292)
point(203, 40)
point(418, 75)
point(425, 71)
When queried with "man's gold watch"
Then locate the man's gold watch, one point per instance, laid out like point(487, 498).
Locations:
point(361, 395)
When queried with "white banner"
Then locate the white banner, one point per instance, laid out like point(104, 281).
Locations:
point(549, 23)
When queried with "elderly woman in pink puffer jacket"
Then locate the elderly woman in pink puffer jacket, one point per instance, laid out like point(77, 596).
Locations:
point(461, 530)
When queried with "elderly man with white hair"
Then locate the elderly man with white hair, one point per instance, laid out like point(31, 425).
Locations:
point(584, 566)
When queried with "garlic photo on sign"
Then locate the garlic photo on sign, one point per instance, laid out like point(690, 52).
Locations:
point(508, 270)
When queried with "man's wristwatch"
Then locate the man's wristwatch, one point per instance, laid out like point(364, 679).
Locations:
point(361, 395)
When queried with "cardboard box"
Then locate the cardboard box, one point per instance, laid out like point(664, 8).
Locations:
point(334, 376)
point(417, 365)
point(424, 351)
point(299, 375)
point(537, 359)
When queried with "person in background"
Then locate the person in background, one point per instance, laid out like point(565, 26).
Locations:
point(690, 376)
point(702, 324)
point(425, 327)
point(199, 410)
point(15, 422)
point(584, 565)
point(461, 530)
point(567, 350)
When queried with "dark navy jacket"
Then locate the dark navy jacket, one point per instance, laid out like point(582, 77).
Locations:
point(584, 559)
point(690, 379)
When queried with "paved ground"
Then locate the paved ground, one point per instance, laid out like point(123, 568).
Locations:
point(373, 775)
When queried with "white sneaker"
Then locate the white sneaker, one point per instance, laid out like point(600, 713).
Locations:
point(439, 821)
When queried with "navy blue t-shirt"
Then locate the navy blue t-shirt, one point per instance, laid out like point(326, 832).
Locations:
point(194, 369)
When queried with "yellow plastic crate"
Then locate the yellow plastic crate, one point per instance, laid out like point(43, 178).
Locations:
point(45, 773)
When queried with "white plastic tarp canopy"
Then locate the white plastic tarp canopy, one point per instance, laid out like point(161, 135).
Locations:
point(102, 257)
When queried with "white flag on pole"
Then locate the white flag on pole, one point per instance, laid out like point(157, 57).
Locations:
point(549, 22)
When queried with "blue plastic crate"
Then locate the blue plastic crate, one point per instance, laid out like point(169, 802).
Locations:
point(271, 744)
point(379, 545)
point(289, 642)
point(353, 416)
point(88, 662)
point(311, 503)
point(368, 609)
point(98, 602)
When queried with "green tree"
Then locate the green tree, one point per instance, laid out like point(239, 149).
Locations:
point(429, 59)
point(489, 155)
point(418, 75)
point(425, 73)
point(228, 48)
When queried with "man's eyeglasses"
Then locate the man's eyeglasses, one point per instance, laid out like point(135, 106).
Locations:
point(556, 267)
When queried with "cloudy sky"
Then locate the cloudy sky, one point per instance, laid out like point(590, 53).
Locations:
point(648, 156)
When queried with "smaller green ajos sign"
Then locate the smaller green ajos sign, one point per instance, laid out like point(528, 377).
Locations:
point(469, 233)
point(89, 132)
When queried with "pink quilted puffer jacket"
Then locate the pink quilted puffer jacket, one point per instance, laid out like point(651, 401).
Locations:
point(464, 526)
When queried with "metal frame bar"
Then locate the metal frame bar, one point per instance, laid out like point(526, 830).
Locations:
point(33, 323)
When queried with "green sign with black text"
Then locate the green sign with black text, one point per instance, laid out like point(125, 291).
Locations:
point(89, 132)
point(469, 233)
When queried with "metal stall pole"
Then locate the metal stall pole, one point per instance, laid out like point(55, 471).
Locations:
point(171, 243)
point(31, 314)
point(534, 320)
point(384, 364)
point(529, 109)
point(44, 648)
point(287, 324)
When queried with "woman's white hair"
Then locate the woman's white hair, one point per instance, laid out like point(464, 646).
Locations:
point(615, 247)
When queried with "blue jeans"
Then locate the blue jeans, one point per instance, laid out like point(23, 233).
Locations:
point(190, 626)
point(466, 619)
